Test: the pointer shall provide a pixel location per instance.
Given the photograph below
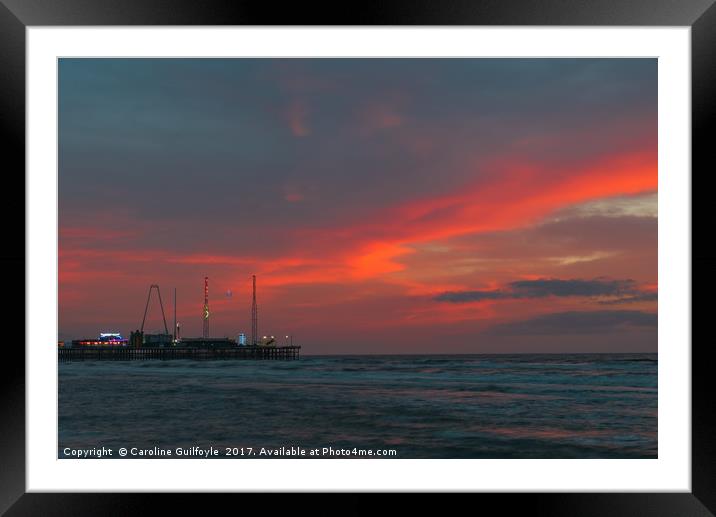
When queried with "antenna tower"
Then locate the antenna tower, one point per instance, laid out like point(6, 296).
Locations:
point(206, 307)
point(254, 317)
point(175, 315)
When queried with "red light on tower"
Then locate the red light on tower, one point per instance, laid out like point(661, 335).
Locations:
point(206, 306)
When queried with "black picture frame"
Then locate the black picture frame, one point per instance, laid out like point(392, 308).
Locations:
point(16, 15)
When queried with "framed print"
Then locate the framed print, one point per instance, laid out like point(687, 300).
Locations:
point(437, 250)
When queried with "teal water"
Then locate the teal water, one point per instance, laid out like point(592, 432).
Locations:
point(452, 406)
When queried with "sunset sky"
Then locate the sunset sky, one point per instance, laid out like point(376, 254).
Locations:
point(385, 205)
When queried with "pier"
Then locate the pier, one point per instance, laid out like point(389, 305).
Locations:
point(122, 353)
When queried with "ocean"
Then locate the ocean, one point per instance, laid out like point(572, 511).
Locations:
point(407, 406)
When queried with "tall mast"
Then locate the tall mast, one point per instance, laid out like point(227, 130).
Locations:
point(206, 306)
point(175, 315)
point(254, 316)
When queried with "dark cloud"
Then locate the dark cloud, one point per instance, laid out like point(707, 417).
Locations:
point(625, 290)
point(575, 287)
point(471, 296)
point(574, 322)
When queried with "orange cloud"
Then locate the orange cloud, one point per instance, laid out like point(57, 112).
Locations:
point(518, 195)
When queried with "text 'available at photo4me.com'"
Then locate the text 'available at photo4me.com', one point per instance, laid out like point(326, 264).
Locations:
point(225, 452)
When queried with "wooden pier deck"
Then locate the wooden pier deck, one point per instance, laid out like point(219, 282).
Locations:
point(116, 353)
